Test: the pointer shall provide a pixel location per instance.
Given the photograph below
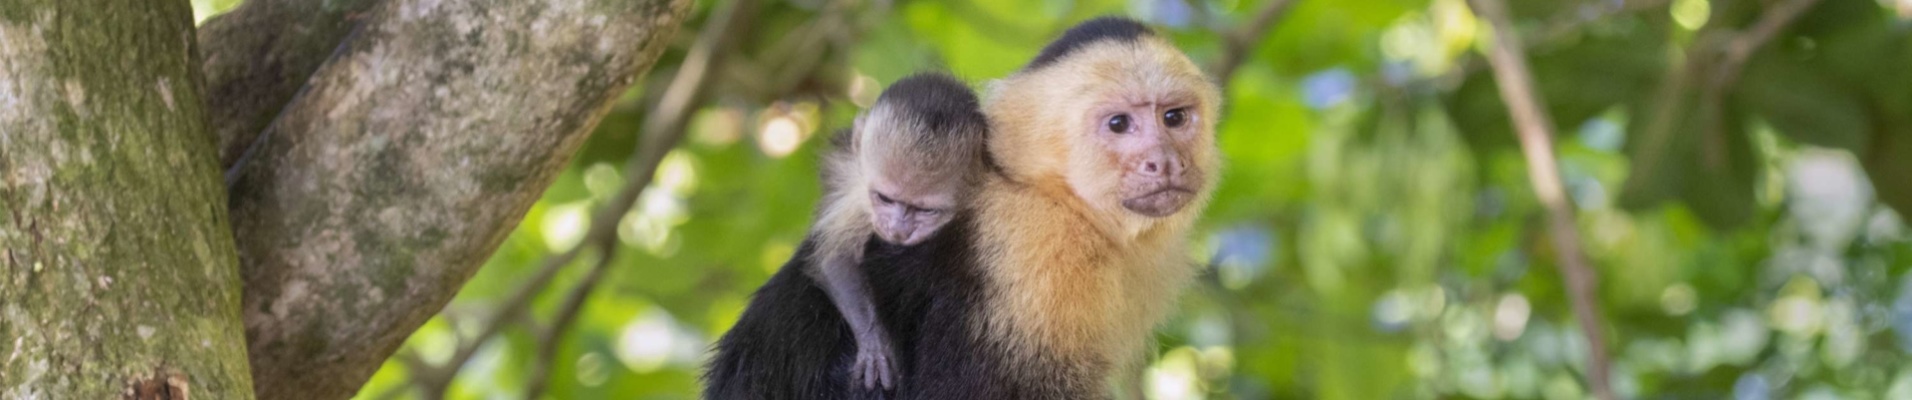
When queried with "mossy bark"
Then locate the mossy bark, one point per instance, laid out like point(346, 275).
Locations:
point(258, 56)
point(118, 273)
point(406, 159)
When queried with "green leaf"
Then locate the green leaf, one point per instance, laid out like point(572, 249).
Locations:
point(1578, 80)
point(1709, 165)
point(1803, 103)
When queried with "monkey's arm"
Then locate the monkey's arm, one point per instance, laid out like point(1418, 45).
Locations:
point(849, 290)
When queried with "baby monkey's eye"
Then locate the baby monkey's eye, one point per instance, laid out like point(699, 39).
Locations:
point(1119, 123)
point(1175, 118)
point(886, 200)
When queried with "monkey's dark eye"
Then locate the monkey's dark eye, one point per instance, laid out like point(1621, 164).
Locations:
point(885, 199)
point(1119, 123)
point(1175, 118)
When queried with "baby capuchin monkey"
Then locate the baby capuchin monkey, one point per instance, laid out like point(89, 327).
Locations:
point(901, 173)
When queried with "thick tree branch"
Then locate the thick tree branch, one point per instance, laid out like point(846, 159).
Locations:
point(663, 128)
point(405, 161)
point(1535, 130)
point(257, 56)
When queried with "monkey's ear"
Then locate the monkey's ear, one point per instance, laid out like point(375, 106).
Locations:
point(856, 133)
point(844, 140)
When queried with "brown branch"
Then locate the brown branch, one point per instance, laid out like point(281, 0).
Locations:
point(405, 161)
point(1561, 28)
point(549, 340)
point(1741, 47)
point(794, 57)
point(1715, 60)
point(1733, 55)
point(663, 129)
point(1239, 43)
point(1535, 130)
point(512, 308)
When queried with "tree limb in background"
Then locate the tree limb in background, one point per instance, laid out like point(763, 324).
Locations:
point(1732, 55)
point(1535, 130)
point(664, 127)
point(551, 338)
point(405, 161)
point(1239, 43)
point(257, 56)
point(1714, 61)
point(794, 57)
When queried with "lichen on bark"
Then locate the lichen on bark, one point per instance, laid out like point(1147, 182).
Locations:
point(404, 162)
point(257, 56)
point(117, 267)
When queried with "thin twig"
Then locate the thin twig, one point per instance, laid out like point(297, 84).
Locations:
point(1733, 55)
point(1741, 48)
point(1535, 130)
point(1237, 44)
point(794, 56)
point(663, 130)
point(1714, 59)
point(1561, 28)
point(549, 340)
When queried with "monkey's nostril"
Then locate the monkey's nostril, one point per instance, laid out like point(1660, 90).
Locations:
point(1151, 167)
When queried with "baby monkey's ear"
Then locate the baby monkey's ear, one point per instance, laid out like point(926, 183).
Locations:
point(856, 130)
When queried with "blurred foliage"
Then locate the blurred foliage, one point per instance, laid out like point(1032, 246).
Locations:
point(1374, 235)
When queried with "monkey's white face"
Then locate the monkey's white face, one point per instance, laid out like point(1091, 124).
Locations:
point(1143, 140)
point(1127, 126)
point(1148, 141)
point(907, 211)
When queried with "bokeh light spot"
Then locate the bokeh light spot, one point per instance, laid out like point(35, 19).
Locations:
point(779, 137)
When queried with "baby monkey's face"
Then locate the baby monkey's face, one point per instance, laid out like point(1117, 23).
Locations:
point(912, 207)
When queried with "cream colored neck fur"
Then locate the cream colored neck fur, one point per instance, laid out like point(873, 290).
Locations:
point(1064, 283)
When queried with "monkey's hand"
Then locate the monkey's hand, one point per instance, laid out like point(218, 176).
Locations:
point(873, 360)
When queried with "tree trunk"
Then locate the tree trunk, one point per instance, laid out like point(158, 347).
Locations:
point(119, 277)
point(404, 162)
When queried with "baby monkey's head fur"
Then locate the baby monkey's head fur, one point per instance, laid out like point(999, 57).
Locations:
point(921, 149)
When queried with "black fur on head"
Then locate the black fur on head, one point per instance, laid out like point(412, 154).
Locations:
point(939, 103)
point(1087, 33)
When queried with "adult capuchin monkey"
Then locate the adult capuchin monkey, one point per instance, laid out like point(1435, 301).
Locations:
point(1052, 281)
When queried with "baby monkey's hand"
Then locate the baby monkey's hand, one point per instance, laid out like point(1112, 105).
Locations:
point(873, 361)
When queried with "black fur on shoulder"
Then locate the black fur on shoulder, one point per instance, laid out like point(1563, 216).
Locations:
point(941, 103)
point(1087, 33)
point(792, 344)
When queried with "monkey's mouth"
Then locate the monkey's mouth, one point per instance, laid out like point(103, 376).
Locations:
point(1161, 202)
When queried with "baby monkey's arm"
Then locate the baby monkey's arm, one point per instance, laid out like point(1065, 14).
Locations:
point(850, 291)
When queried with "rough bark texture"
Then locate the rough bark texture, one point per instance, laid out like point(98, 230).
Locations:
point(406, 160)
point(258, 56)
point(118, 275)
